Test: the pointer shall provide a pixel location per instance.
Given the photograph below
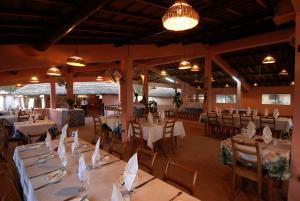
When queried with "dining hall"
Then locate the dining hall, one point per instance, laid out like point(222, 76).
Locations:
point(139, 100)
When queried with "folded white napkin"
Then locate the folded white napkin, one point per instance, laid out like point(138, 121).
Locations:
point(48, 141)
point(248, 111)
point(267, 134)
point(236, 111)
point(251, 129)
point(217, 109)
point(30, 120)
point(75, 143)
point(162, 116)
point(255, 113)
point(96, 153)
point(116, 194)
point(130, 172)
point(150, 118)
point(276, 113)
point(266, 112)
point(81, 168)
point(61, 150)
point(231, 110)
point(64, 130)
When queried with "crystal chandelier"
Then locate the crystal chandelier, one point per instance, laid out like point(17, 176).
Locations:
point(53, 71)
point(180, 16)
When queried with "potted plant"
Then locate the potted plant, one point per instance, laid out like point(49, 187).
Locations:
point(70, 102)
point(136, 96)
point(177, 101)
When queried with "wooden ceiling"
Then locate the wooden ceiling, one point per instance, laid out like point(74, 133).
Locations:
point(41, 22)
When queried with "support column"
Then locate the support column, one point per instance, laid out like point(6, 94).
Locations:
point(126, 93)
point(69, 79)
point(207, 83)
point(294, 186)
point(238, 93)
point(145, 81)
point(52, 94)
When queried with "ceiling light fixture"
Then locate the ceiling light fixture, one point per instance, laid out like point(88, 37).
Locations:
point(34, 79)
point(99, 78)
point(19, 85)
point(53, 71)
point(283, 72)
point(255, 84)
point(163, 73)
point(183, 65)
point(75, 60)
point(269, 60)
point(227, 85)
point(180, 16)
point(292, 83)
point(212, 79)
point(198, 87)
point(195, 68)
point(169, 79)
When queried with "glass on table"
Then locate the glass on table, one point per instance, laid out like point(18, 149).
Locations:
point(84, 179)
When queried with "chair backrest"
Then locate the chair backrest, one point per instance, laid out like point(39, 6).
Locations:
point(146, 159)
point(9, 187)
point(137, 131)
point(97, 125)
point(244, 120)
point(117, 147)
point(173, 173)
point(169, 128)
point(227, 120)
point(23, 117)
point(267, 121)
point(246, 155)
point(212, 117)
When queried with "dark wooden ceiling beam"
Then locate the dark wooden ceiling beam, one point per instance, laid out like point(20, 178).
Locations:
point(58, 2)
point(114, 24)
point(102, 32)
point(80, 14)
point(152, 4)
point(27, 14)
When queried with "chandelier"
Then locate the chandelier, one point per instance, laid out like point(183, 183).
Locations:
point(76, 60)
point(283, 72)
point(99, 78)
point(180, 16)
point(34, 79)
point(19, 85)
point(53, 71)
point(184, 65)
point(269, 60)
point(163, 73)
point(195, 68)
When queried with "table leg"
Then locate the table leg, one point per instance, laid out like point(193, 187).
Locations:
point(270, 188)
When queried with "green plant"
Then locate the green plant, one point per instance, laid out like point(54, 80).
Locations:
point(177, 101)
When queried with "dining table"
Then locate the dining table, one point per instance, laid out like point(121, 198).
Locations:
point(10, 118)
point(281, 123)
point(153, 132)
point(33, 128)
point(112, 122)
point(34, 176)
point(275, 156)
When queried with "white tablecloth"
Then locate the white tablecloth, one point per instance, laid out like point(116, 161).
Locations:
point(281, 123)
point(11, 118)
point(154, 132)
point(36, 128)
point(111, 121)
point(101, 179)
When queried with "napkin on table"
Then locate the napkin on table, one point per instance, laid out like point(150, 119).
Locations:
point(116, 194)
point(276, 113)
point(255, 113)
point(150, 118)
point(75, 143)
point(216, 109)
point(48, 141)
point(61, 151)
point(231, 110)
point(251, 129)
point(81, 168)
point(266, 112)
point(96, 153)
point(130, 172)
point(64, 130)
point(248, 111)
point(267, 134)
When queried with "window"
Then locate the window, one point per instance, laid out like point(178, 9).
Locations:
point(228, 98)
point(276, 99)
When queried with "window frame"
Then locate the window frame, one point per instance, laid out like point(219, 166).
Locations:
point(226, 98)
point(276, 97)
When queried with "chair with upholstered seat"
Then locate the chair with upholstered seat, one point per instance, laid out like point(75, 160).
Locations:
point(181, 176)
point(146, 159)
point(117, 147)
point(246, 163)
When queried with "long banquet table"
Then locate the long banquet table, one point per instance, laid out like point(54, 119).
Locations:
point(281, 123)
point(40, 126)
point(154, 132)
point(101, 179)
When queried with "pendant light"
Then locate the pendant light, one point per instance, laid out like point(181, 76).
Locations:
point(255, 84)
point(185, 64)
point(269, 60)
point(227, 85)
point(212, 79)
point(53, 71)
point(180, 16)
point(283, 72)
point(75, 60)
point(292, 83)
point(198, 87)
point(195, 68)
point(34, 79)
point(163, 73)
point(99, 78)
point(19, 85)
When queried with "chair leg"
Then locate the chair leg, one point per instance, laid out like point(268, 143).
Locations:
point(234, 178)
point(259, 190)
point(270, 189)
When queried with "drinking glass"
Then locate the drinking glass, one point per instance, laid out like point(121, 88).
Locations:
point(84, 178)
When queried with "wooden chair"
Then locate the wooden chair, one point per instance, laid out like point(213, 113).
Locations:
point(137, 136)
point(244, 120)
point(146, 159)
point(117, 147)
point(168, 135)
point(246, 163)
point(98, 132)
point(23, 117)
point(271, 122)
point(35, 138)
point(213, 124)
point(11, 193)
point(228, 128)
point(172, 175)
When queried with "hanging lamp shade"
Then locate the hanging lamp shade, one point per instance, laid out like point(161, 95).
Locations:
point(99, 78)
point(163, 73)
point(183, 65)
point(269, 60)
point(19, 85)
point(292, 83)
point(227, 85)
point(53, 71)
point(283, 72)
point(198, 87)
point(76, 60)
point(34, 79)
point(255, 84)
point(180, 16)
point(195, 68)
point(212, 79)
